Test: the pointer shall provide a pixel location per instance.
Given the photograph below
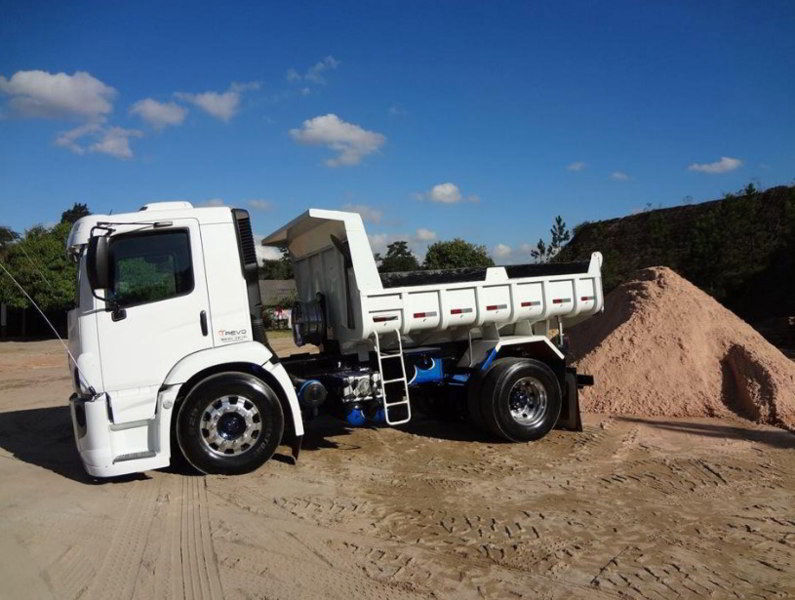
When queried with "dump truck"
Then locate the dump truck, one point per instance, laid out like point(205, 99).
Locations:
point(169, 355)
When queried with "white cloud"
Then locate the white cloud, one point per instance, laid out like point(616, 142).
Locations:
point(619, 176)
point(315, 73)
point(259, 204)
point(55, 95)
point(576, 166)
point(369, 214)
point(159, 114)
point(446, 193)
point(350, 141)
point(265, 252)
point(724, 165)
point(417, 242)
point(221, 105)
point(114, 141)
point(213, 202)
point(396, 110)
point(502, 250)
point(379, 241)
point(68, 139)
point(425, 235)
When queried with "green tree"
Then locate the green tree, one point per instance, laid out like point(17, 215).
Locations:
point(78, 211)
point(279, 268)
point(39, 263)
point(398, 258)
point(455, 254)
point(7, 237)
point(544, 252)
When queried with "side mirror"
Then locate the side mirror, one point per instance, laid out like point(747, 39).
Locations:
point(98, 263)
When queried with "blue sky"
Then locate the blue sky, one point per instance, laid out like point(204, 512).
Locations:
point(435, 120)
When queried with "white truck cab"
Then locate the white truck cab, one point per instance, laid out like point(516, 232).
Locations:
point(170, 353)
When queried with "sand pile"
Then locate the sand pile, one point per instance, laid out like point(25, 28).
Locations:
point(664, 347)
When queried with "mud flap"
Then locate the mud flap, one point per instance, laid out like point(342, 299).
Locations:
point(296, 447)
point(570, 411)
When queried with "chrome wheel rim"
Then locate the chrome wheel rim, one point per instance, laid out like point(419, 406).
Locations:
point(230, 425)
point(527, 401)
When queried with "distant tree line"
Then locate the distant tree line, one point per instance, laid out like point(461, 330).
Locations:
point(37, 260)
point(459, 253)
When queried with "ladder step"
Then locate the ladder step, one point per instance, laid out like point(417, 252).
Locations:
point(401, 403)
point(399, 379)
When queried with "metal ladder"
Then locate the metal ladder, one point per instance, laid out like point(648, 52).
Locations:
point(404, 401)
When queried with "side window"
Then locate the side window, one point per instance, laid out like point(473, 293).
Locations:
point(149, 267)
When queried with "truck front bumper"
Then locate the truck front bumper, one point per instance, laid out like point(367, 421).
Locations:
point(108, 450)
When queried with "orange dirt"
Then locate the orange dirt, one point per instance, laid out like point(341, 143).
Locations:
point(664, 347)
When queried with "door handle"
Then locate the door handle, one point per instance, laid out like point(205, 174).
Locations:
point(203, 322)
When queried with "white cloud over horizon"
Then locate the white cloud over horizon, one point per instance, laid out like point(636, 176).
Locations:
point(58, 95)
point(576, 166)
point(369, 214)
point(159, 114)
point(619, 176)
point(350, 141)
point(265, 252)
point(417, 242)
point(260, 204)
point(221, 105)
point(212, 202)
point(502, 250)
point(425, 235)
point(724, 165)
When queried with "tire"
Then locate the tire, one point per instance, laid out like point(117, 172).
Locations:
point(520, 399)
point(217, 424)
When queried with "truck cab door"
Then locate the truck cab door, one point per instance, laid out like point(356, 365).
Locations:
point(158, 286)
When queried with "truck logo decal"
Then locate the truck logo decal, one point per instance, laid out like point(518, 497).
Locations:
point(232, 335)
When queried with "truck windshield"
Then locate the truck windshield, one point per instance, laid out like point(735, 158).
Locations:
point(152, 266)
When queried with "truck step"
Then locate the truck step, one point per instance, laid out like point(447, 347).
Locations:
point(390, 403)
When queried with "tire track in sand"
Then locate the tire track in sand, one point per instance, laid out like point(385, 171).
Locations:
point(186, 566)
point(162, 545)
point(118, 574)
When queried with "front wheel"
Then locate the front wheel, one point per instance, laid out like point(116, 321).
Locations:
point(230, 423)
point(520, 399)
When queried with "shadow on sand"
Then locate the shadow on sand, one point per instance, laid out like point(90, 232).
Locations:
point(776, 438)
point(43, 437)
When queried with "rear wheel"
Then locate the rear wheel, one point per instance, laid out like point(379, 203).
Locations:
point(520, 399)
point(229, 423)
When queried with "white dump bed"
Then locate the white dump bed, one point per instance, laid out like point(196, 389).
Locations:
point(426, 305)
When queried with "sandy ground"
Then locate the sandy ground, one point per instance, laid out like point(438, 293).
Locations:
point(630, 508)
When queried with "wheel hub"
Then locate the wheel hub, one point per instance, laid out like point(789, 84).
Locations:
point(230, 425)
point(528, 401)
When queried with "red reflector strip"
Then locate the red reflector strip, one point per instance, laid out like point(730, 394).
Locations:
point(561, 300)
point(422, 315)
point(531, 303)
point(460, 311)
point(382, 318)
point(586, 298)
point(496, 306)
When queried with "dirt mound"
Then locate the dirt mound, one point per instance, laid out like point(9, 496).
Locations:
point(664, 347)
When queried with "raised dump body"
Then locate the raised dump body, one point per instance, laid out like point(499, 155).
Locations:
point(332, 257)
